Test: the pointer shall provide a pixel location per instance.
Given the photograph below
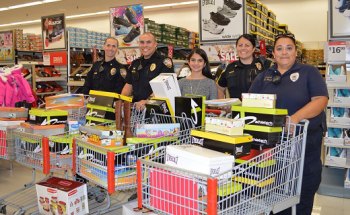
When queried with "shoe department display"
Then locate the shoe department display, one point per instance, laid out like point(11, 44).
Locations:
point(226, 11)
point(212, 27)
point(121, 21)
point(232, 4)
point(121, 30)
point(135, 32)
point(130, 14)
point(219, 19)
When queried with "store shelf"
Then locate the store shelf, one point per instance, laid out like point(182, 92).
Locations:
point(337, 125)
point(49, 93)
point(332, 104)
point(337, 145)
point(43, 79)
point(338, 86)
point(76, 83)
point(332, 183)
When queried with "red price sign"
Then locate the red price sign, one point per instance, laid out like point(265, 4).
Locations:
point(336, 51)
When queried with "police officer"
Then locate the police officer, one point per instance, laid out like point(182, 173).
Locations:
point(301, 89)
point(239, 75)
point(107, 75)
point(144, 69)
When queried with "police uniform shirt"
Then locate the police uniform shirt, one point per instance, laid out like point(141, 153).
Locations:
point(295, 89)
point(238, 77)
point(142, 71)
point(105, 76)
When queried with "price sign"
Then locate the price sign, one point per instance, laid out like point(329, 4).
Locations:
point(336, 51)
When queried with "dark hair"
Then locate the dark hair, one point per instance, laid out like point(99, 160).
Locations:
point(249, 37)
point(288, 35)
point(206, 70)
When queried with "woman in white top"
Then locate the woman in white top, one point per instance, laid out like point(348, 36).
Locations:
point(200, 82)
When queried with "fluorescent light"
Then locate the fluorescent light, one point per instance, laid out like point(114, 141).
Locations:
point(25, 5)
point(90, 14)
point(3, 8)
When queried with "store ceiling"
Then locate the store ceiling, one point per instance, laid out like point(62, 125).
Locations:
point(68, 7)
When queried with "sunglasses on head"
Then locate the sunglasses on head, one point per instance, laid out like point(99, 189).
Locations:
point(288, 35)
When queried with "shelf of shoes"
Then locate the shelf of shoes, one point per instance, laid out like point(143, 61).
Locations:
point(337, 137)
point(83, 38)
point(27, 41)
point(49, 80)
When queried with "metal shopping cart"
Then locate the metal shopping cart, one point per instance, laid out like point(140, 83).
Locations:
point(114, 169)
point(49, 155)
point(268, 182)
point(7, 146)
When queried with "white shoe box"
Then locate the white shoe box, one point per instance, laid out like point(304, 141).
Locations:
point(200, 160)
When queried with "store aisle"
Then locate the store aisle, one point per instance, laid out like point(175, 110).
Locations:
point(12, 180)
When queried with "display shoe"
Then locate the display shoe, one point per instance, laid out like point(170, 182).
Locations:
point(121, 21)
point(55, 36)
point(219, 19)
point(232, 4)
point(25, 73)
point(43, 72)
point(49, 88)
point(340, 3)
point(121, 30)
point(344, 7)
point(131, 15)
point(347, 12)
point(212, 27)
point(56, 86)
point(55, 73)
point(226, 11)
point(135, 32)
point(40, 87)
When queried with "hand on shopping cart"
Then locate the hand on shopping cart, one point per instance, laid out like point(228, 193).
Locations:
point(140, 105)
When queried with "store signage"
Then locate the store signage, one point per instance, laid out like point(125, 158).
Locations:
point(262, 46)
point(6, 46)
point(53, 32)
point(170, 51)
point(55, 58)
point(223, 53)
point(336, 51)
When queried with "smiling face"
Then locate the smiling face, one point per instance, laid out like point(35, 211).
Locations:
point(147, 45)
point(285, 53)
point(110, 47)
point(196, 63)
point(245, 49)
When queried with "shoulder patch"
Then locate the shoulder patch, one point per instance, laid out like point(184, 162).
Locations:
point(168, 62)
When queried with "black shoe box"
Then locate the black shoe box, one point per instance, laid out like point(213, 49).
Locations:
point(191, 107)
point(158, 106)
point(264, 116)
point(263, 135)
point(101, 98)
point(235, 145)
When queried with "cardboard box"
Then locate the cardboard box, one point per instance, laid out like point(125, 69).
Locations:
point(157, 130)
point(199, 159)
point(159, 106)
point(259, 100)
point(102, 135)
point(235, 145)
point(45, 130)
point(264, 135)
point(225, 126)
point(47, 117)
point(13, 113)
point(101, 98)
point(64, 101)
point(261, 116)
point(342, 96)
point(165, 85)
point(61, 196)
point(191, 107)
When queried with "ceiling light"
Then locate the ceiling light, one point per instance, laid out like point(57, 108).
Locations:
point(25, 5)
point(170, 5)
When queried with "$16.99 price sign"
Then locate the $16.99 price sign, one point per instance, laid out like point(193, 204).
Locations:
point(336, 51)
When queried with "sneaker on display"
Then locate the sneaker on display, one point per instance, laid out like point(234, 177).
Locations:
point(131, 15)
point(232, 4)
point(339, 4)
point(121, 30)
point(344, 6)
point(219, 19)
point(135, 32)
point(121, 21)
point(226, 11)
point(212, 27)
point(347, 12)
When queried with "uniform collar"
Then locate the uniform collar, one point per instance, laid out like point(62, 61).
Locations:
point(154, 56)
point(241, 65)
point(296, 67)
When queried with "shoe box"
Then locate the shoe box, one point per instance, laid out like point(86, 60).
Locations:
point(45, 130)
point(192, 107)
point(263, 135)
point(339, 115)
point(223, 125)
point(106, 136)
point(159, 106)
point(336, 73)
point(62, 196)
point(11, 113)
point(64, 101)
point(270, 117)
point(258, 100)
point(47, 117)
point(198, 159)
point(235, 145)
point(99, 103)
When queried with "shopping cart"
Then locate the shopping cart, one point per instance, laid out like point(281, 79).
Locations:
point(268, 182)
point(114, 169)
point(7, 146)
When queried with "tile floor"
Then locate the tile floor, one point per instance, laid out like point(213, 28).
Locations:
point(12, 180)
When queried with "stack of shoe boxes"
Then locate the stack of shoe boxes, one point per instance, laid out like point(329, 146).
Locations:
point(193, 40)
point(168, 34)
point(153, 27)
point(83, 38)
point(182, 37)
point(313, 57)
point(28, 41)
